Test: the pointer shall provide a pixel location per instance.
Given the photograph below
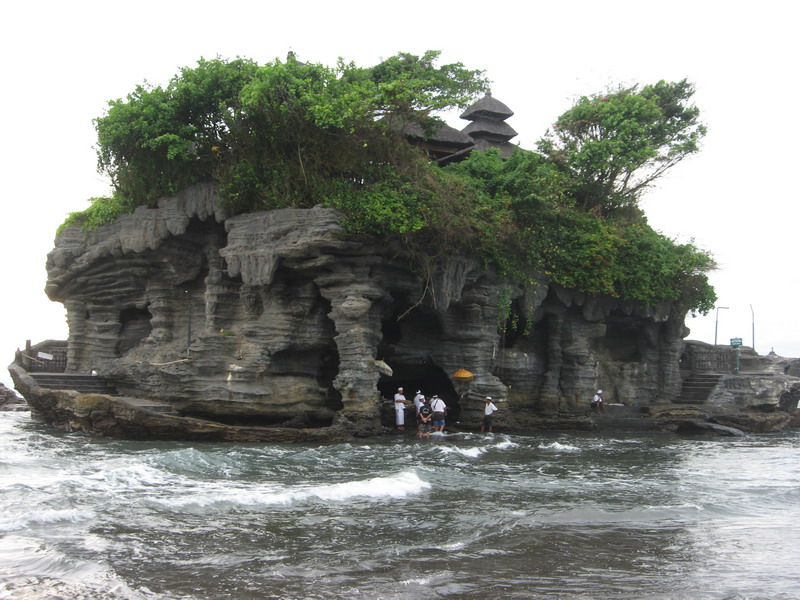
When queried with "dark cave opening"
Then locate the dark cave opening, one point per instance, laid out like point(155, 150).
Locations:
point(620, 343)
point(429, 378)
point(409, 334)
point(135, 327)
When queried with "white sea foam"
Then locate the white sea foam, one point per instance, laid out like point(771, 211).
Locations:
point(132, 476)
point(417, 581)
point(559, 447)
point(45, 517)
point(505, 445)
point(38, 571)
point(452, 547)
point(473, 452)
point(400, 485)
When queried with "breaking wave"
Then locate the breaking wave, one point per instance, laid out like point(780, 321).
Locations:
point(397, 486)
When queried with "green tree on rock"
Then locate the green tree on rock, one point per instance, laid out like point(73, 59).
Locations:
point(613, 146)
point(295, 134)
point(283, 134)
point(158, 141)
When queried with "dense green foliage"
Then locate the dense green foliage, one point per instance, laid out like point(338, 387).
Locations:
point(160, 140)
point(284, 134)
point(614, 145)
point(296, 134)
point(535, 223)
point(101, 210)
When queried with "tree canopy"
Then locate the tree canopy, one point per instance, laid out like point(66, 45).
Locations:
point(298, 134)
point(284, 134)
point(614, 145)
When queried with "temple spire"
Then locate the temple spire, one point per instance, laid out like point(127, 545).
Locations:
point(488, 116)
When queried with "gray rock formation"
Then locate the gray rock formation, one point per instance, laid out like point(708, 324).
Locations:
point(276, 319)
point(701, 427)
point(749, 391)
point(10, 401)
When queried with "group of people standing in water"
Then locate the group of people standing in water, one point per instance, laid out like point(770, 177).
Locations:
point(431, 413)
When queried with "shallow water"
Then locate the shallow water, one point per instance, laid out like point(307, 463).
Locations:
point(564, 516)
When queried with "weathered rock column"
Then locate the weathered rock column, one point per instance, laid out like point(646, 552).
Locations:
point(77, 345)
point(357, 319)
point(670, 346)
point(549, 391)
point(94, 334)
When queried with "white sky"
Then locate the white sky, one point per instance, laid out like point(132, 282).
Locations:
point(737, 198)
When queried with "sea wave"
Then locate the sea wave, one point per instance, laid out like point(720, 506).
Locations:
point(505, 445)
point(33, 569)
point(44, 517)
point(401, 485)
point(194, 461)
point(476, 451)
point(558, 447)
point(134, 475)
point(473, 452)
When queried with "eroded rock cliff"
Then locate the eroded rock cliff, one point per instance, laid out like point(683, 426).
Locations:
point(277, 319)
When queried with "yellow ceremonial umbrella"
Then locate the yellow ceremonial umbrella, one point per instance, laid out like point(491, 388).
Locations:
point(463, 376)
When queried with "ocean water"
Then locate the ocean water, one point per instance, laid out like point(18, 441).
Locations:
point(562, 516)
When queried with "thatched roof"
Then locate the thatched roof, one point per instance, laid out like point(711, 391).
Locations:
point(490, 129)
point(442, 134)
point(445, 144)
point(506, 149)
point(487, 107)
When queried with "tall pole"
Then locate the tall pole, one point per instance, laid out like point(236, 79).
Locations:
point(754, 326)
point(716, 324)
point(188, 321)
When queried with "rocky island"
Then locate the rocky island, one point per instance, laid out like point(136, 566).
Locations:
point(208, 322)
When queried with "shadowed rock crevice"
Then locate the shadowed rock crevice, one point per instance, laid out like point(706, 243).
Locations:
point(135, 327)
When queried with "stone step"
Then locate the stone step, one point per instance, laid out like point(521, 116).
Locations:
point(697, 387)
point(84, 383)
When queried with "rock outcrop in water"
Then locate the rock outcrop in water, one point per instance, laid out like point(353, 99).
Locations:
point(276, 321)
point(10, 401)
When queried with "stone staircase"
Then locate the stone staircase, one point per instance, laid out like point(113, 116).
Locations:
point(697, 387)
point(84, 383)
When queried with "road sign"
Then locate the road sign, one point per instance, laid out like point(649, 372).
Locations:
point(736, 342)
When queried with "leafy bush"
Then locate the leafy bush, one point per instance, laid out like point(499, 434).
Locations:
point(282, 134)
point(549, 233)
point(101, 211)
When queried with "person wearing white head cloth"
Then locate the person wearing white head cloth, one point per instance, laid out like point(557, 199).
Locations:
point(597, 402)
point(418, 400)
point(400, 409)
point(488, 411)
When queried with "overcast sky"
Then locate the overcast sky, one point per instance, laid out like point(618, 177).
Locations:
point(737, 198)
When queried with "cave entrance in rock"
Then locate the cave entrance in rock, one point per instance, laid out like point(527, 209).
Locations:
point(135, 326)
point(429, 378)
